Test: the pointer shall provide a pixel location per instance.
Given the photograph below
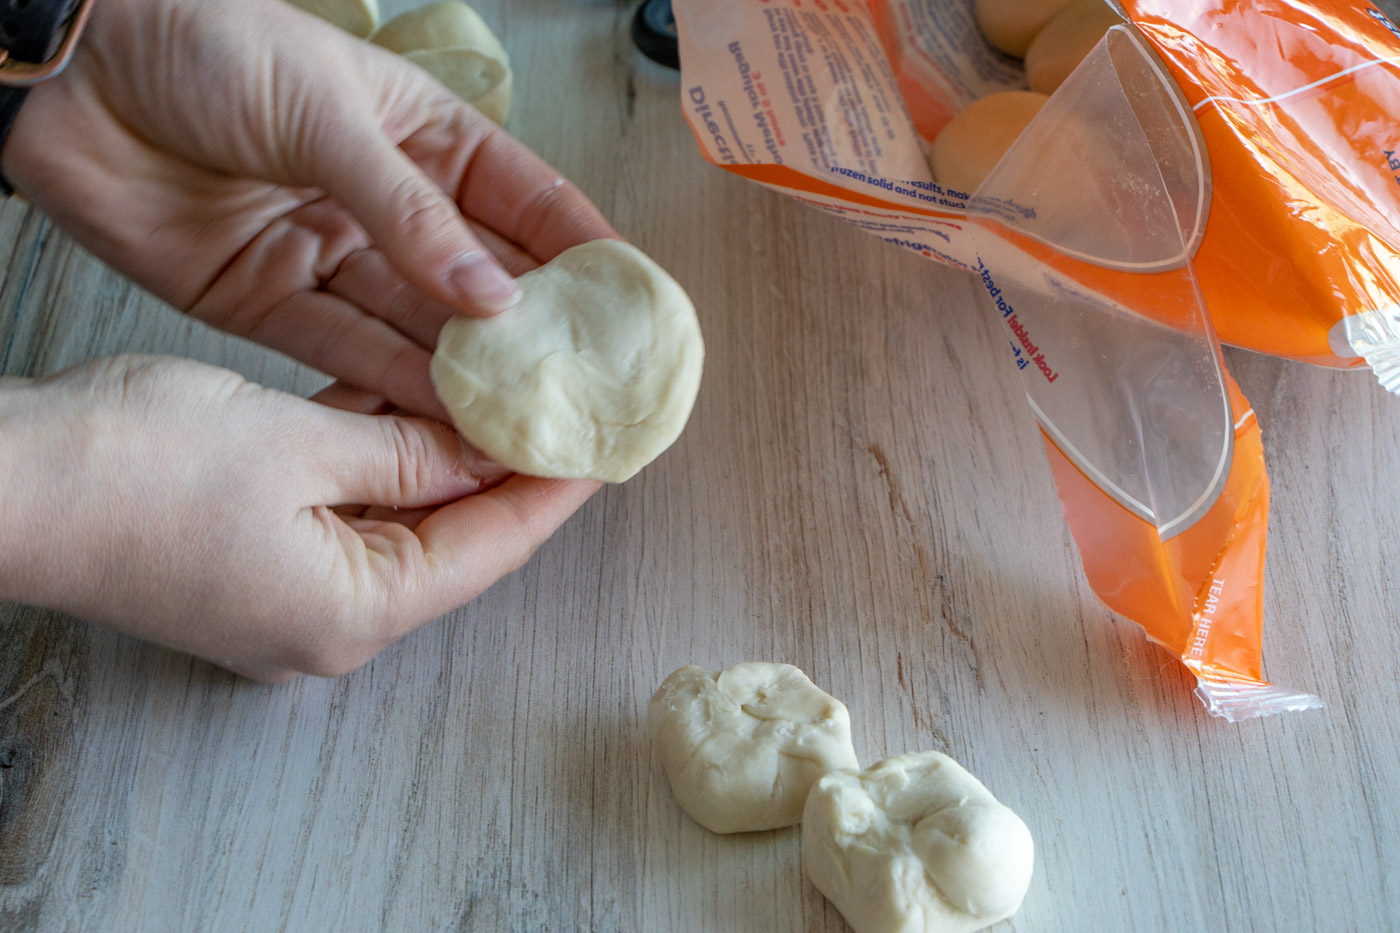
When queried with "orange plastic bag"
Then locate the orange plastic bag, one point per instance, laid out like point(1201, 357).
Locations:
point(1299, 105)
point(1245, 187)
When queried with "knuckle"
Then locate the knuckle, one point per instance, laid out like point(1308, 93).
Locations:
point(423, 210)
point(412, 460)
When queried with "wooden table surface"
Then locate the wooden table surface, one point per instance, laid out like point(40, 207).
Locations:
point(861, 492)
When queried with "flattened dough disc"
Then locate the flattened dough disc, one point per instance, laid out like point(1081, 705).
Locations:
point(591, 376)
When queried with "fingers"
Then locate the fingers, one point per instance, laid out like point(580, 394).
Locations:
point(463, 548)
point(390, 460)
point(515, 259)
point(522, 208)
point(415, 223)
point(510, 190)
point(326, 332)
point(369, 281)
point(352, 398)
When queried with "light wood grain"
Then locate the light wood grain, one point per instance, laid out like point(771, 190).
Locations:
point(861, 492)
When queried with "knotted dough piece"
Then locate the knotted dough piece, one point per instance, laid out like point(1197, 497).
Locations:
point(915, 844)
point(591, 376)
point(742, 747)
point(450, 41)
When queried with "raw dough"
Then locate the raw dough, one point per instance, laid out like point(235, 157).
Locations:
point(974, 141)
point(1065, 41)
point(592, 375)
point(743, 747)
point(1010, 25)
point(434, 36)
point(482, 81)
point(446, 24)
point(915, 844)
point(358, 17)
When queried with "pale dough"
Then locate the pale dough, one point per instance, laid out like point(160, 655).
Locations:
point(1065, 41)
point(445, 24)
point(591, 376)
point(743, 747)
point(479, 79)
point(1010, 25)
point(448, 39)
point(915, 844)
point(974, 141)
point(357, 17)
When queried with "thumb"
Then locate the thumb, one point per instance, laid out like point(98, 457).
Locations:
point(415, 224)
point(465, 547)
point(393, 460)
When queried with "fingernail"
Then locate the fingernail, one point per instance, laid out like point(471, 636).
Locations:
point(482, 283)
point(479, 466)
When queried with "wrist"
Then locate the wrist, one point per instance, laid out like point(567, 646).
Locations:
point(49, 466)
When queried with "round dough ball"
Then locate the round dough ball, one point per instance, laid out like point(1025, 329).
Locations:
point(480, 80)
point(357, 17)
point(1010, 25)
point(915, 844)
point(446, 24)
point(974, 141)
point(743, 747)
point(1065, 41)
point(591, 376)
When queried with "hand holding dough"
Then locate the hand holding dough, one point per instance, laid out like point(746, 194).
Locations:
point(591, 376)
point(915, 844)
point(743, 747)
point(450, 41)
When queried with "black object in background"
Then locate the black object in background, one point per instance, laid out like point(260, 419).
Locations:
point(654, 32)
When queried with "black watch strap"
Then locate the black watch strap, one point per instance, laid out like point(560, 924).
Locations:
point(30, 32)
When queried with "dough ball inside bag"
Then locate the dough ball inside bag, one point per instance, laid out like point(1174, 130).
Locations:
point(357, 17)
point(1065, 41)
point(742, 747)
point(915, 844)
point(591, 376)
point(437, 38)
point(1011, 25)
point(974, 141)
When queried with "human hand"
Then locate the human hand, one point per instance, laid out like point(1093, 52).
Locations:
point(285, 182)
point(182, 505)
